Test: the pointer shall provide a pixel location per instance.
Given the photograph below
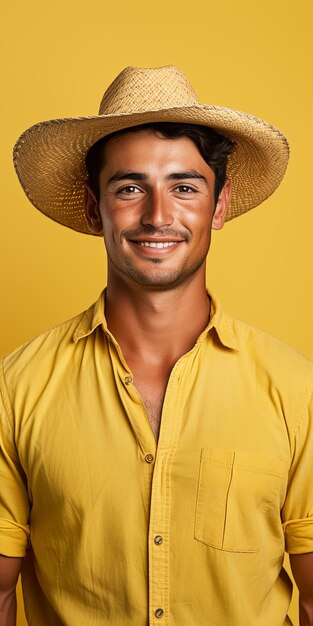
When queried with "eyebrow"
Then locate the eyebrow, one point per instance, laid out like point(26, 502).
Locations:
point(124, 175)
point(184, 175)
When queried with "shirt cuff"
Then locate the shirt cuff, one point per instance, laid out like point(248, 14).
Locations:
point(14, 538)
point(299, 536)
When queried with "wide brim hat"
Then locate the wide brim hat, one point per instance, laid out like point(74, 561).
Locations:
point(49, 157)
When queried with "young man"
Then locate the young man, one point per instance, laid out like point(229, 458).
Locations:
point(156, 453)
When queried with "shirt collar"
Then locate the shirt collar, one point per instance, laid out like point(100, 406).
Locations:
point(91, 319)
point(219, 320)
point(223, 323)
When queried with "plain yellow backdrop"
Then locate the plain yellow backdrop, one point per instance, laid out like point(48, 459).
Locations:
point(58, 58)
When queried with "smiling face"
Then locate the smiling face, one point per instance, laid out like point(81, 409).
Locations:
point(156, 209)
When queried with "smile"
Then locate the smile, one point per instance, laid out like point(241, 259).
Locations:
point(156, 244)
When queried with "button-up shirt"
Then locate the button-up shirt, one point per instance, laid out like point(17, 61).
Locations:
point(187, 531)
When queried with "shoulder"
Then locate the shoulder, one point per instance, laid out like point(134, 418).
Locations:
point(279, 378)
point(250, 337)
point(271, 359)
point(38, 354)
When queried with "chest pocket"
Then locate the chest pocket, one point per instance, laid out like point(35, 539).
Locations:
point(238, 500)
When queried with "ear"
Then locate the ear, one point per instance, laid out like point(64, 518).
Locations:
point(221, 206)
point(92, 212)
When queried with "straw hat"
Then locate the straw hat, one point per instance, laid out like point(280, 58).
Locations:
point(49, 157)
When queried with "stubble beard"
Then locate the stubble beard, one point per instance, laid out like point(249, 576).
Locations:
point(165, 280)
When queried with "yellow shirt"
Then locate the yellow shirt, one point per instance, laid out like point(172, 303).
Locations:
point(122, 531)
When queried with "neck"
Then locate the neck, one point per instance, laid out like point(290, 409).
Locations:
point(163, 324)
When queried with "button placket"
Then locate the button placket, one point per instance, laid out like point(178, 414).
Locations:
point(158, 542)
point(160, 504)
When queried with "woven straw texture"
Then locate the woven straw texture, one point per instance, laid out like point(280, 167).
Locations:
point(49, 157)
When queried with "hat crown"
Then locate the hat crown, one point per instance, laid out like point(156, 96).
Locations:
point(147, 89)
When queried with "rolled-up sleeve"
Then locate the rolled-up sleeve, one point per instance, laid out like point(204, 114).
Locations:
point(297, 513)
point(14, 501)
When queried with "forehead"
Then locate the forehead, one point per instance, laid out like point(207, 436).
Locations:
point(146, 147)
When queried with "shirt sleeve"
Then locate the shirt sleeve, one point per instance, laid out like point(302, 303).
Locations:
point(297, 513)
point(14, 501)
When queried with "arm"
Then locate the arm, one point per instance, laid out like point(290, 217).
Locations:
point(302, 569)
point(10, 568)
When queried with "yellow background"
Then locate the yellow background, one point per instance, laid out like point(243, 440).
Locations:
point(57, 59)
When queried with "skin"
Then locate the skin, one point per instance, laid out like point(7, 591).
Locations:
point(10, 568)
point(154, 189)
point(302, 569)
point(161, 293)
point(141, 200)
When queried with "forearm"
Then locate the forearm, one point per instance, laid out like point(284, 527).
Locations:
point(302, 569)
point(8, 608)
point(306, 611)
point(10, 568)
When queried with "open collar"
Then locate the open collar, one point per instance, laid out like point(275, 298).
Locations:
point(219, 320)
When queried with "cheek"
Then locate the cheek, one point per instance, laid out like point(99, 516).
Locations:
point(199, 212)
point(200, 223)
point(110, 221)
point(118, 217)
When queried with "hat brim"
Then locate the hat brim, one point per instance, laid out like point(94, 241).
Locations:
point(49, 157)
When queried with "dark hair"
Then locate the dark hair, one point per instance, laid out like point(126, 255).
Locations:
point(213, 147)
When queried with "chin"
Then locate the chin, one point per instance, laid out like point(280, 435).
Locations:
point(162, 279)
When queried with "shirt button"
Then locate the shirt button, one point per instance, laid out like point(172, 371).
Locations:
point(149, 458)
point(158, 540)
point(159, 613)
point(128, 380)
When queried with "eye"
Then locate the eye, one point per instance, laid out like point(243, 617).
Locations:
point(129, 190)
point(185, 189)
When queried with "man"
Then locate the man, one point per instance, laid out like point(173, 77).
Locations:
point(156, 463)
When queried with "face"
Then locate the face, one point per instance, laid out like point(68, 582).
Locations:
point(156, 209)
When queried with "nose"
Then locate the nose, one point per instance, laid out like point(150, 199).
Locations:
point(157, 210)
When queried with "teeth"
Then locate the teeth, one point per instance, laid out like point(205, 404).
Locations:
point(157, 244)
